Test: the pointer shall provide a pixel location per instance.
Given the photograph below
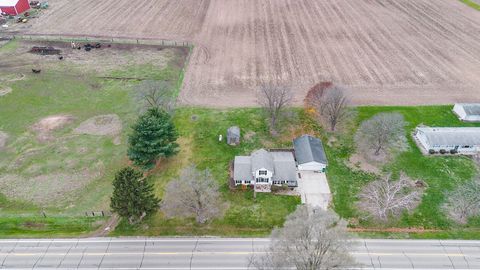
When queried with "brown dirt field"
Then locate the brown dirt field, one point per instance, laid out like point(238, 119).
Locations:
point(386, 52)
point(165, 19)
point(47, 125)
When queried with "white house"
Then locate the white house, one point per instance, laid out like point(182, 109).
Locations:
point(468, 112)
point(310, 154)
point(463, 140)
point(264, 169)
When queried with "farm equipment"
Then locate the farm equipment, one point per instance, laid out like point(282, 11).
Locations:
point(44, 50)
point(39, 5)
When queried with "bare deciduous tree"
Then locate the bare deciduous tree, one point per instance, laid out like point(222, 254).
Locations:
point(463, 202)
point(194, 194)
point(381, 132)
point(328, 102)
point(386, 198)
point(311, 239)
point(333, 107)
point(315, 94)
point(156, 94)
point(274, 99)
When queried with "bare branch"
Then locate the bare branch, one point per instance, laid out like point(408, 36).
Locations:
point(329, 103)
point(156, 94)
point(381, 132)
point(310, 239)
point(463, 202)
point(385, 198)
point(195, 193)
point(274, 99)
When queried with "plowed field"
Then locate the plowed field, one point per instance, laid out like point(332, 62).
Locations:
point(401, 52)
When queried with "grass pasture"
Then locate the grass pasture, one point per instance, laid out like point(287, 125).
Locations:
point(45, 165)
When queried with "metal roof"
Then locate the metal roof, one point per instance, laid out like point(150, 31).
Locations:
point(242, 168)
point(8, 3)
point(233, 131)
point(261, 159)
point(451, 136)
point(309, 149)
point(471, 108)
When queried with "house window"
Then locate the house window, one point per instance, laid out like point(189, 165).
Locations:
point(262, 172)
point(238, 182)
point(262, 180)
point(247, 181)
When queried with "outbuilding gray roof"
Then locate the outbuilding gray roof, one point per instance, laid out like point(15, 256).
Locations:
point(285, 168)
point(233, 132)
point(309, 149)
point(471, 108)
point(262, 159)
point(242, 168)
point(451, 136)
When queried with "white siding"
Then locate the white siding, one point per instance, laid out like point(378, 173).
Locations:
point(459, 111)
point(311, 166)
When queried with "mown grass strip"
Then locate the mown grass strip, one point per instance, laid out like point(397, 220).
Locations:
point(471, 4)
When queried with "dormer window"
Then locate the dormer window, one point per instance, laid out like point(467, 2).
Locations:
point(262, 172)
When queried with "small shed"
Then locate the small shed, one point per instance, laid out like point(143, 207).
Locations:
point(310, 154)
point(468, 112)
point(233, 135)
point(14, 7)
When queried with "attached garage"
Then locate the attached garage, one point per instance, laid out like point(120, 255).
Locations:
point(309, 154)
point(14, 7)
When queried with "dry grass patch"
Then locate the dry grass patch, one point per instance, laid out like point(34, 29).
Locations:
point(47, 125)
point(47, 189)
point(101, 125)
point(3, 140)
point(4, 90)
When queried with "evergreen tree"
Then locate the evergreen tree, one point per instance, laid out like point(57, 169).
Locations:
point(133, 196)
point(153, 136)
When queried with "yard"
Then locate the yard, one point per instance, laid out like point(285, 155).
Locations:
point(440, 174)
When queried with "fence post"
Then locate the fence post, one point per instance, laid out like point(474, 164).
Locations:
point(43, 214)
point(103, 214)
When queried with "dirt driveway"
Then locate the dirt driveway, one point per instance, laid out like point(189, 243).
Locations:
point(314, 190)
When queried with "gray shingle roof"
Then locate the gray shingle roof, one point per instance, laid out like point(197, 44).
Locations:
point(309, 149)
point(285, 168)
point(262, 159)
point(242, 169)
point(451, 136)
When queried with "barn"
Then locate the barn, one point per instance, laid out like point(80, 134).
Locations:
point(14, 7)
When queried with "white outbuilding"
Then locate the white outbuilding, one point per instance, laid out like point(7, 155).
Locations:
point(310, 154)
point(468, 112)
point(461, 140)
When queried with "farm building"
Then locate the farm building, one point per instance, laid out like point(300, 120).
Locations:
point(233, 135)
point(310, 154)
point(264, 169)
point(461, 140)
point(468, 112)
point(14, 7)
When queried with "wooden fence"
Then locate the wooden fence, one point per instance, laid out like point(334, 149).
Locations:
point(161, 42)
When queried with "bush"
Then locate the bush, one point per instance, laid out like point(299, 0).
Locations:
point(453, 151)
point(431, 151)
point(443, 151)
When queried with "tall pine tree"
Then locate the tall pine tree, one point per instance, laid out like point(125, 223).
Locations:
point(153, 136)
point(133, 196)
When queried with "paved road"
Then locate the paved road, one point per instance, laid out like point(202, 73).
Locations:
point(218, 253)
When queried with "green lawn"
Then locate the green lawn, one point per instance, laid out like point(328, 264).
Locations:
point(199, 130)
point(440, 173)
point(64, 88)
point(471, 3)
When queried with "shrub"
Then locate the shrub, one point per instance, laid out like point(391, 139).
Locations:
point(431, 151)
point(443, 151)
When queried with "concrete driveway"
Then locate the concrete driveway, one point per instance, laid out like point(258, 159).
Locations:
point(314, 190)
